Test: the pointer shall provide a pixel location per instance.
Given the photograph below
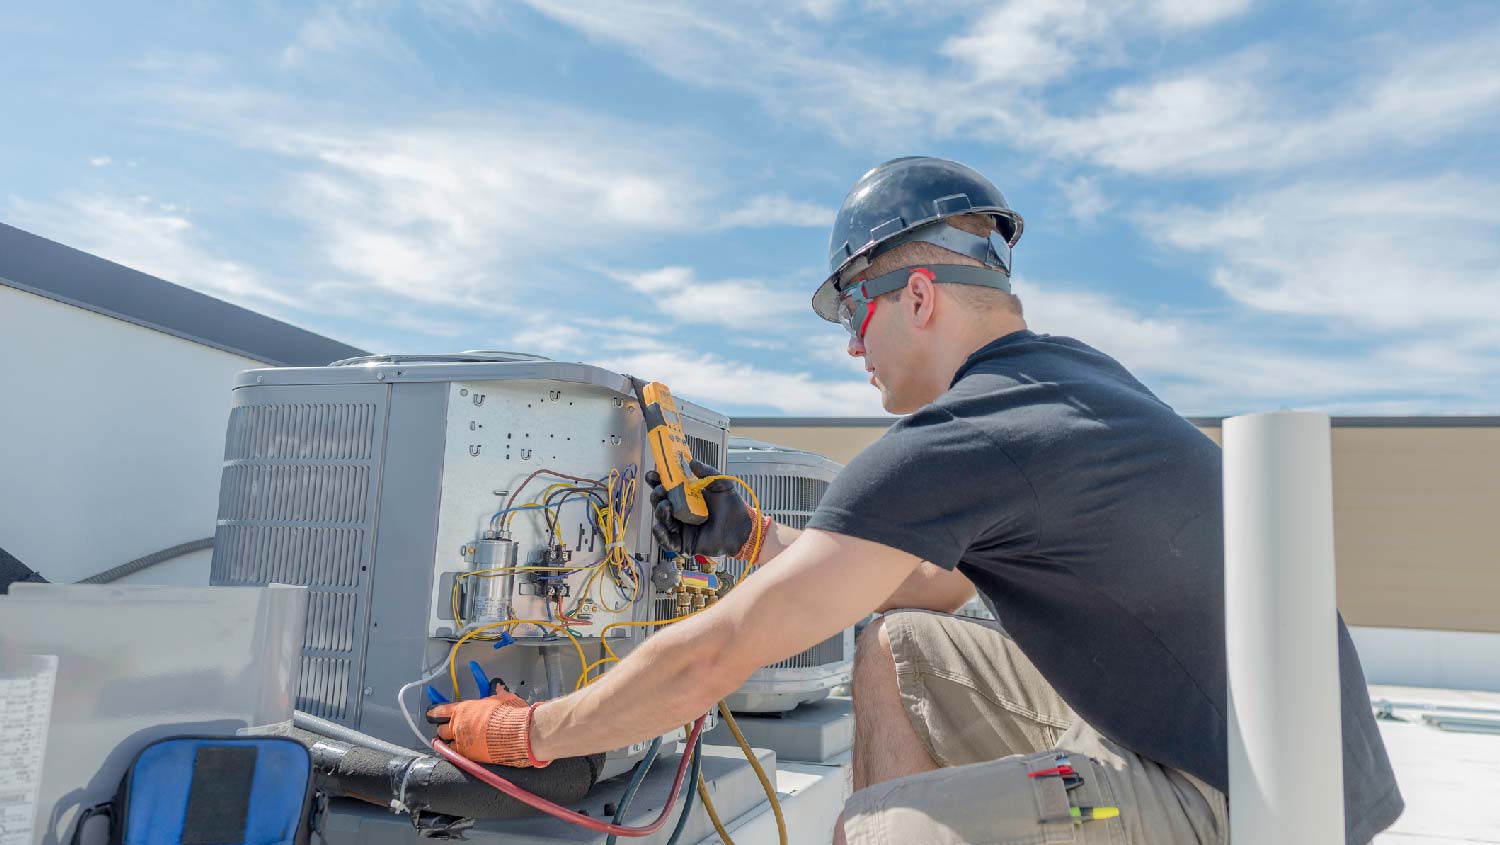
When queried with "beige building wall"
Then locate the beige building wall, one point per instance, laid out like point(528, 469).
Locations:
point(1416, 512)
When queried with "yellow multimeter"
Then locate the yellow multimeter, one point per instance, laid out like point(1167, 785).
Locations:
point(669, 447)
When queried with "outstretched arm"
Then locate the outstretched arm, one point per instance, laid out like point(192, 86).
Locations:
point(820, 585)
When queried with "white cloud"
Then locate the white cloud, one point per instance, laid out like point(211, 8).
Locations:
point(1032, 42)
point(146, 236)
point(708, 377)
point(572, 338)
point(1138, 341)
point(719, 383)
point(331, 30)
point(778, 210)
point(1085, 199)
point(652, 282)
point(184, 64)
point(1225, 364)
point(99, 161)
point(1194, 13)
point(451, 208)
point(1247, 112)
point(749, 305)
point(430, 326)
point(1240, 115)
point(1205, 120)
point(791, 70)
point(1415, 254)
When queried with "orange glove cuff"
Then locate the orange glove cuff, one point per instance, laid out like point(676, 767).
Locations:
point(507, 737)
point(749, 548)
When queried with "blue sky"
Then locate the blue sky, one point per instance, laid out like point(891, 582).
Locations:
point(1251, 204)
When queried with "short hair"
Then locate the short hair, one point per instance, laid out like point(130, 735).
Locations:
point(980, 300)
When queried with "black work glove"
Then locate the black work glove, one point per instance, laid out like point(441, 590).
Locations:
point(725, 531)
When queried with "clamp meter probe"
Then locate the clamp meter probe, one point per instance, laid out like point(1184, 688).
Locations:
point(669, 447)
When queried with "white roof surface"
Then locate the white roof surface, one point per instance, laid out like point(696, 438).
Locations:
point(1451, 781)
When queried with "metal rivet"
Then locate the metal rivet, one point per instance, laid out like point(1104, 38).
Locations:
point(369, 690)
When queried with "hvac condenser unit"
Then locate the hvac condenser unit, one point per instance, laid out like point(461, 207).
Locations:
point(408, 493)
point(789, 484)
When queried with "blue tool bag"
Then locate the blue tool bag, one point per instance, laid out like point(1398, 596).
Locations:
point(199, 790)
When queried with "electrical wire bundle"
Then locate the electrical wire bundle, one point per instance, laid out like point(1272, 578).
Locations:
point(611, 512)
point(610, 501)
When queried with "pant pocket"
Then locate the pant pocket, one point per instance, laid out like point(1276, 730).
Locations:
point(994, 803)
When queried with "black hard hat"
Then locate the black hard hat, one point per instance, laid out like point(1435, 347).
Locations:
point(903, 195)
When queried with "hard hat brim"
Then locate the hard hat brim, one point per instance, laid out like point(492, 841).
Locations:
point(825, 301)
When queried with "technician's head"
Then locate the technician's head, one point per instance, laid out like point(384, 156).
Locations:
point(919, 274)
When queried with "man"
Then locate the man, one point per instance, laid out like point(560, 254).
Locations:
point(1035, 468)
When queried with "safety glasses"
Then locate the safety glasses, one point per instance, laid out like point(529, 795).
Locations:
point(857, 304)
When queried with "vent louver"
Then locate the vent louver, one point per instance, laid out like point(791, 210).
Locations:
point(294, 504)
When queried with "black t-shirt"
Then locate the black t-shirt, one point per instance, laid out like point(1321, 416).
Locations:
point(1090, 516)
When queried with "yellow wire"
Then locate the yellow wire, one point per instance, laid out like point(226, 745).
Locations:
point(757, 540)
point(765, 782)
point(755, 533)
point(453, 654)
point(613, 658)
point(492, 573)
point(713, 814)
point(505, 518)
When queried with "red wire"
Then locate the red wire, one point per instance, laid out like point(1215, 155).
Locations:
point(480, 773)
point(563, 617)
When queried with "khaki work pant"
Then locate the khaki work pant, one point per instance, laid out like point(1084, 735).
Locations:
point(989, 719)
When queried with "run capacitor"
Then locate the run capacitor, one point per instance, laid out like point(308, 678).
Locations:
point(491, 579)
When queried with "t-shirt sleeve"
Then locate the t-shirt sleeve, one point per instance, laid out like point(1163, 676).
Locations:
point(934, 486)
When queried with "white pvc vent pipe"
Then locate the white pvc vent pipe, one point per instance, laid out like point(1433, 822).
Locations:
point(1281, 633)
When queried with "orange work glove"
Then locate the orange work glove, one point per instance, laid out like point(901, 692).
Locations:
point(490, 730)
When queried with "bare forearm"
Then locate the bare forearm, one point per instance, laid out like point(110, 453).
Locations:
point(823, 584)
point(778, 540)
point(931, 588)
point(667, 682)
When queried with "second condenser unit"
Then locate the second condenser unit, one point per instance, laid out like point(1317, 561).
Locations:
point(789, 484)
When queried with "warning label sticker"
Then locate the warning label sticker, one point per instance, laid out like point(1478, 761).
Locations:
point(25, 705)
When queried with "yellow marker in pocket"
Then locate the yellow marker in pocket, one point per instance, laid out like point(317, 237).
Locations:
point(1093, 814)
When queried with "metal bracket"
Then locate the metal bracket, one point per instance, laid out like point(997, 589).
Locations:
point(440, 826)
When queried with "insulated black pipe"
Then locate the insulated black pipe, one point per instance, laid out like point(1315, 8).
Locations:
point(429, 785)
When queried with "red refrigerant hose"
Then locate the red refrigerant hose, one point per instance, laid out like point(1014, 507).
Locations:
point(478, 772)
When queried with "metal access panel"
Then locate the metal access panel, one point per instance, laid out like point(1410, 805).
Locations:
point(365, 481)
point(789, 484)
point(500, 432)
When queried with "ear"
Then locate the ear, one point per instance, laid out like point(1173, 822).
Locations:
point(922, 296)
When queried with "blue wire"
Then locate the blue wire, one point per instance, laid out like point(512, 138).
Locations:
point(691, 788)
point(497, 514)
point(635, 783)
point(532, 506)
